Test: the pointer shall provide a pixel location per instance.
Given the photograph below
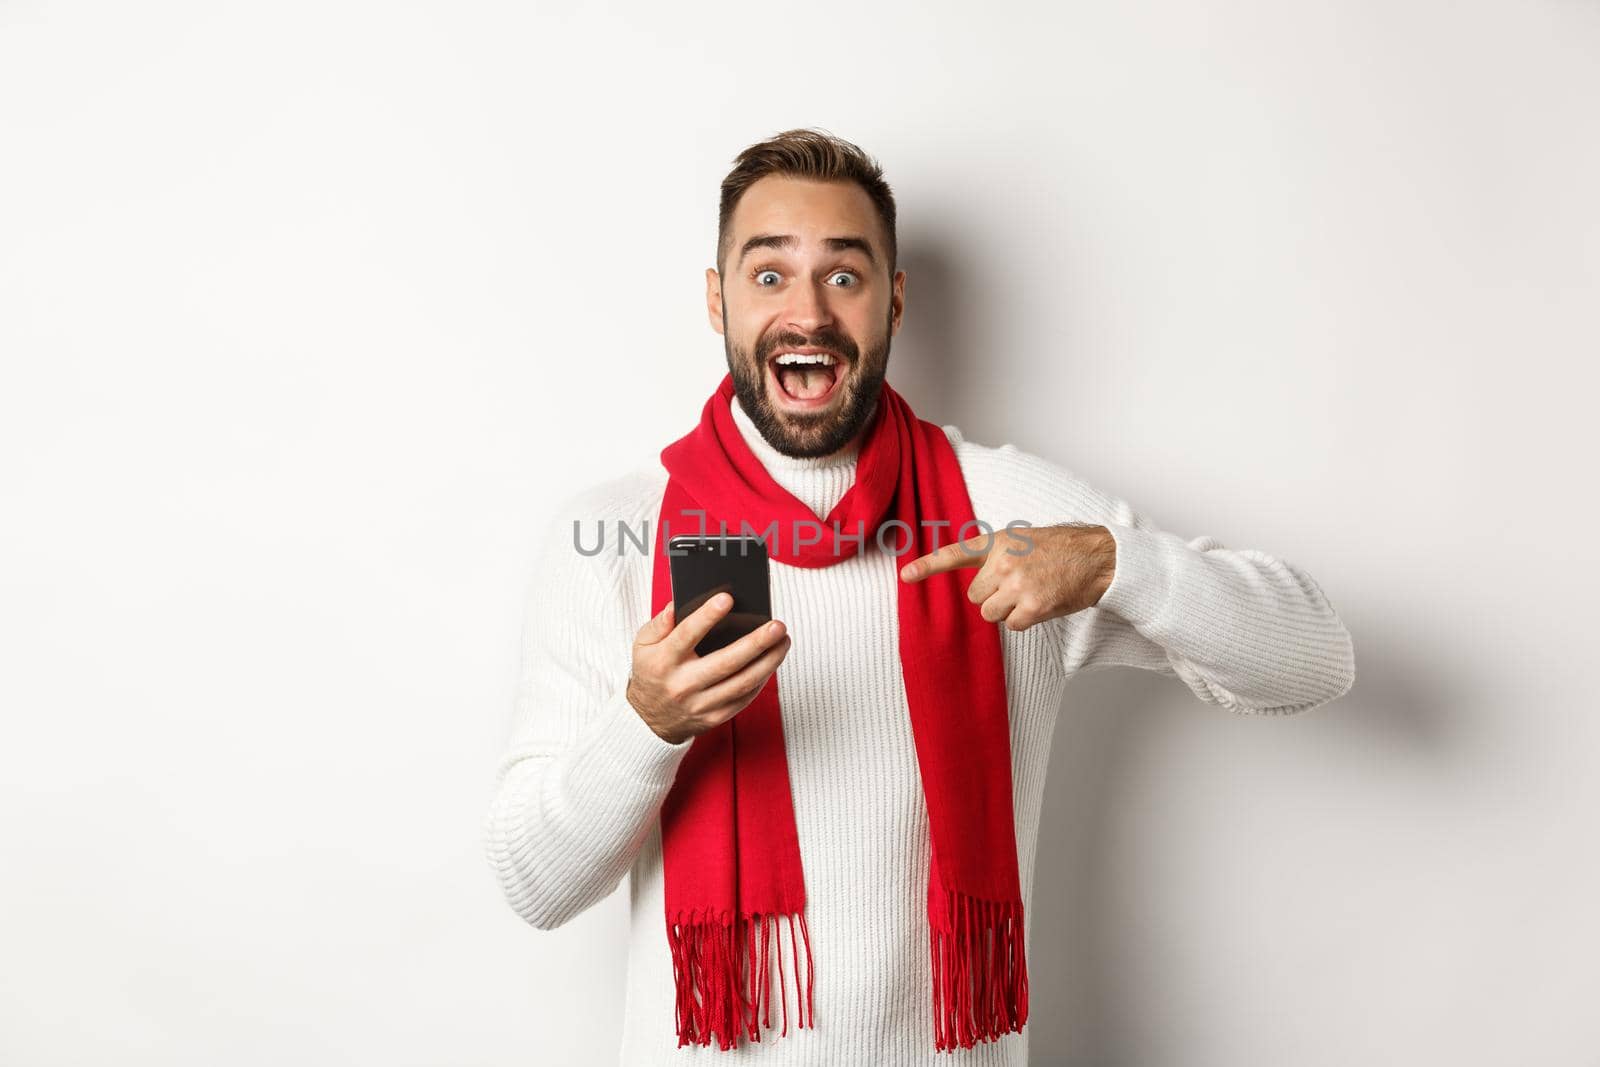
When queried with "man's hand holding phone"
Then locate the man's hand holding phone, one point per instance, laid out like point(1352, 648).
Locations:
point(681, 695)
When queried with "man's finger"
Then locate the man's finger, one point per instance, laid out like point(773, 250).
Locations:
point(998, 606)
point(758, 669)
point(969, 553)
point(699, 622)
point(724, 662)
point(657, 627)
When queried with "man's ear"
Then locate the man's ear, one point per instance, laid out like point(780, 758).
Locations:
point(714, 298)
point(897, 301)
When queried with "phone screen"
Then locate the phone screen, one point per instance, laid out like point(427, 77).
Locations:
point(702, 567)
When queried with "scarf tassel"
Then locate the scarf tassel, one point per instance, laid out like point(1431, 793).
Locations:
point(980, 972)
point(715, 959)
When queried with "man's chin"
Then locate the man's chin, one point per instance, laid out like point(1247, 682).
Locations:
point(793, 432)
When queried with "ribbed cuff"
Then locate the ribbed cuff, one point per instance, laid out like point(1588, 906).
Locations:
point(1141, 585)
point(626, 746)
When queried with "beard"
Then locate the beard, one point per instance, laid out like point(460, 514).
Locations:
point(809, 434)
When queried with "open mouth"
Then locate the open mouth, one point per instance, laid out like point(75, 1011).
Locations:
point(806, 378)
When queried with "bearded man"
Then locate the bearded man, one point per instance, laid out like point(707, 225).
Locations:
point(839, 811)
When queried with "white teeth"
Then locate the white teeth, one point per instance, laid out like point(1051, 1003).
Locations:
point(800, 359)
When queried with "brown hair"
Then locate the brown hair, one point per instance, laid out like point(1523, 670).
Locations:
point(809, 153)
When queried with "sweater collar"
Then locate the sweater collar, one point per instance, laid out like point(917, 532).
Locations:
point(819, 482)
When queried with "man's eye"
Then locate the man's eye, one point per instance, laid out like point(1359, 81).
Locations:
point(759, 274)
point(847, 274)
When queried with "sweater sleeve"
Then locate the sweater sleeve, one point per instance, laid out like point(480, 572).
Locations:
point(583, 775)
point(1243, 629)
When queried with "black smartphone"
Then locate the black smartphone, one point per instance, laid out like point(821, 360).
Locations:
point(702, 567)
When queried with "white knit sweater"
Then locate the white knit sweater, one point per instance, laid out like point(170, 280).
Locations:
point(579, 790)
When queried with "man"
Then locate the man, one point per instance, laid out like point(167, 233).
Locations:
point(855, 787)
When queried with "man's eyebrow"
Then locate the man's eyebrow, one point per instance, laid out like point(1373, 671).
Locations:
point(788, 240)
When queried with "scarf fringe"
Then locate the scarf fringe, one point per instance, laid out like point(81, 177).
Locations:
point(715, 959)
point(980, 972)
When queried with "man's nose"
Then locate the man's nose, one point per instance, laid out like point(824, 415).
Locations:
point(808, 311)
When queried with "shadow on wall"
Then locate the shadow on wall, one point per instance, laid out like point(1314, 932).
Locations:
point(1076, 981)
point(1088, 1007)
point(927, 363)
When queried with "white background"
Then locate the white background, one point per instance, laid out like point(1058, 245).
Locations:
point(310, 312)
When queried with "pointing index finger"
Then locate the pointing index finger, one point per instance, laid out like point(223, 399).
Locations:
point(968, 553)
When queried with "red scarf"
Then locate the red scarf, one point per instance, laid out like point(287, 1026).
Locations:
point(731, 853)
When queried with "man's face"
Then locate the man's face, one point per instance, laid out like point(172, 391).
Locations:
point(808, 271)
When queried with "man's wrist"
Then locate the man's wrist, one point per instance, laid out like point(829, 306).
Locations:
point(635, 702)
point(1107, 556)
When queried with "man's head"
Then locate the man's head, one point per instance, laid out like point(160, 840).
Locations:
point(806, 262)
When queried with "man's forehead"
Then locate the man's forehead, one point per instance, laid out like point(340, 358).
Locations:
point(790, 214)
